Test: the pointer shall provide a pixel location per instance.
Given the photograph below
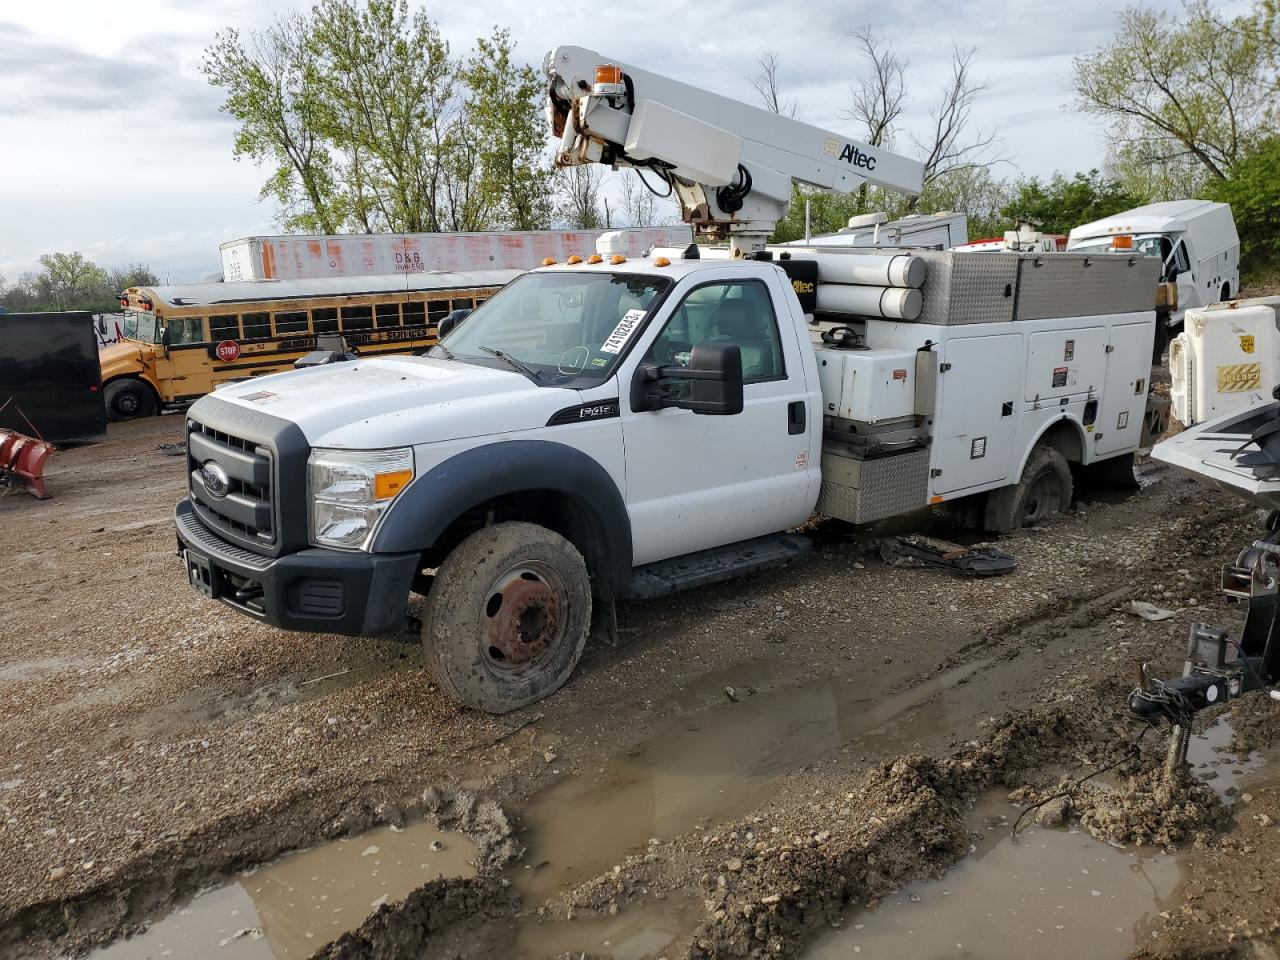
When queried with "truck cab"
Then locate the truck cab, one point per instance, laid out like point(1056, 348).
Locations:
point(1195, 240)
point(556, 441)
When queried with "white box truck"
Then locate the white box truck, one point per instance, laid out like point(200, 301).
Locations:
point(623, 428)
point(360, 255)
point(1196, 242)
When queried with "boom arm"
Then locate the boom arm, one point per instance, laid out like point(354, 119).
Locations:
point(731, 165)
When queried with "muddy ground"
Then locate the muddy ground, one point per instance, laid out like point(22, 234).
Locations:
point(755, 760)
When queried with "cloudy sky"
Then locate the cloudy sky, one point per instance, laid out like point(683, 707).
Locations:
point(113, 144)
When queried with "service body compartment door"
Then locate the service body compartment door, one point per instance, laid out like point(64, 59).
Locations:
point(1124, 397)
point(976, 419)
point(1066, 363)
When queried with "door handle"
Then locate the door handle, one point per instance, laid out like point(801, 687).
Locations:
point(795, 417)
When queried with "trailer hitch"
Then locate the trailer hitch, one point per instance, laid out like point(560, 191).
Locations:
point(1216, 668)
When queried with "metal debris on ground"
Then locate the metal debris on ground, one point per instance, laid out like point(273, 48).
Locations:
point(1147, 611)
point(172, 449)
point(920, 552)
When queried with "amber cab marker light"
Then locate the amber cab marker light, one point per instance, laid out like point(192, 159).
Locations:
point(661, 262)
point(1122, 242)
point(595, 258)
point(617, 258)
point(574, 259)
point(608, 73)
point(549, 262)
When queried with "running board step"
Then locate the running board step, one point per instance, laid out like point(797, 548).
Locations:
point(666, 577)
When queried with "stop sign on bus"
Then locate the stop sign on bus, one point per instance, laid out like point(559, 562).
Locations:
point(227, 351)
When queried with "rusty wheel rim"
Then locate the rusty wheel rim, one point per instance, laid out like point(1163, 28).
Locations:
point(524, 615)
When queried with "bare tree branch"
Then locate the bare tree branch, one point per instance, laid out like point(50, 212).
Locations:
point(877, 101)
point(765, 80)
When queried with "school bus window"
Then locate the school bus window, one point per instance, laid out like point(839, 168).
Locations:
point(224, 326)
point(464, 303)
point(414, 313)
point(387, 315)
point(256, 325)
point(291, 321)
point(357, 318)
point(324, 320)
point(436, 311)
point(183, 330)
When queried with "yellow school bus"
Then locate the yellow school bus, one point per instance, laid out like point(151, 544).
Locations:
point(181, 341)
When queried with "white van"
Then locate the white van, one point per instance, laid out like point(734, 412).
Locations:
point(1196, 240)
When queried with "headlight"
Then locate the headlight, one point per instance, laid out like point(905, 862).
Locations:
point(351, 489)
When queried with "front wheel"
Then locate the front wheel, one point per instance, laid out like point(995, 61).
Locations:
point(129, 399)
point(1045, 489)
point(507, 616)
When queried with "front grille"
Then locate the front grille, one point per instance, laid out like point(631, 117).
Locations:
point(244, 513)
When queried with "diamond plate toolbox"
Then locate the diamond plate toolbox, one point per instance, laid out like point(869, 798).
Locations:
point(969, 287)
point(860, 491)
point(1084, 285)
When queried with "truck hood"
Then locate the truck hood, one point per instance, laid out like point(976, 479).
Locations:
point(399, 401)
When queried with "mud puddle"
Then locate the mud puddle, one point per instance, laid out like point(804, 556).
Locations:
point(1054, 894)
point(292, 907)
point(641, 932)
point(1213, 760)
point(714, 766)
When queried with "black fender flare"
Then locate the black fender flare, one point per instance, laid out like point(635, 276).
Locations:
point(435, 499)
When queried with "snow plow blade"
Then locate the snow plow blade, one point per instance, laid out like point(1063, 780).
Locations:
point(22, 462)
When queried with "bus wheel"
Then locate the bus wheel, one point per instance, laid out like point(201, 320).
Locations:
point(1226, 293)
point(1045, 489)
point(129, 399)
point(507, 616)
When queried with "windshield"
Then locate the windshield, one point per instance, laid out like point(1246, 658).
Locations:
point(1144, 246)
point(559, 327)
point(141, 326)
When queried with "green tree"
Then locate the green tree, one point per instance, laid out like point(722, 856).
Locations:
point(1066, 202)
point(71, 280)
point(503, 117)
point(385, 82)
point(270, 90)
point(1199, 86)
point(1253, 190)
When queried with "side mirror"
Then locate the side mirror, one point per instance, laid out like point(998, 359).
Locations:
point(450, 320)
point(715, 382)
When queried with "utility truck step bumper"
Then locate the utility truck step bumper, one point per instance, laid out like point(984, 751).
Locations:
point(314, 590)
point(712, 566)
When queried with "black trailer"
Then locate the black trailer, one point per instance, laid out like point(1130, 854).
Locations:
point(50, 381)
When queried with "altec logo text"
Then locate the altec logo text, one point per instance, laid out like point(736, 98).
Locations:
point(849, 154)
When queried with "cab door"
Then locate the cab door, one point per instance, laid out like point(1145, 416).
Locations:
point(697, 481)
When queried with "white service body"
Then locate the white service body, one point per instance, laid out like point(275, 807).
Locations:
point(1225, 360)
point(1195, 239)
point(937, 231)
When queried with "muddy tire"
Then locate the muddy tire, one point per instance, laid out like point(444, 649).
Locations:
point(507, 617)
point(1045, 489)
point(129, 399)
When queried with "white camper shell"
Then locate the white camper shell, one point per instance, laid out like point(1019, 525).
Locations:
point(1196, 240)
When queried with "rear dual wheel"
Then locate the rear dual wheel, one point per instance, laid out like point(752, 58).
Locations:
point(507, 616)
point(1045, 489)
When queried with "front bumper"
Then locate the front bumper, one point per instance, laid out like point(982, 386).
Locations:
point(313, 590)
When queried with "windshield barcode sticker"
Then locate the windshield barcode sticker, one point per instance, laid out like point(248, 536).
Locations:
point(623, 331)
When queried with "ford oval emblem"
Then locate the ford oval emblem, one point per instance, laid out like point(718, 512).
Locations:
point(216, 480)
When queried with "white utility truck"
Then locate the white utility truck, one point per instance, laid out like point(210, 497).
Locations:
point(1196, 242)
point(612, 427)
